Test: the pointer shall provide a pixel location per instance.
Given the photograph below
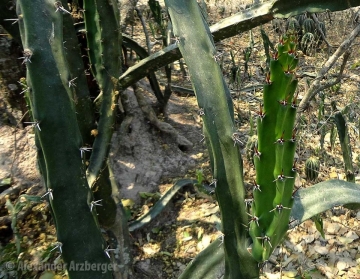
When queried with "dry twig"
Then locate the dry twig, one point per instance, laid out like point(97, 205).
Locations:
point(317, 86)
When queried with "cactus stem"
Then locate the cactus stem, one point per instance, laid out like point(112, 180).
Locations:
point(107, 250)
point(279, 207)
point(49, 193)
point(95, 203)
point(60, 7)
point(34, 124)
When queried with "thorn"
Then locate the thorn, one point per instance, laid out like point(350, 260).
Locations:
point(83, 150)
point(27, 56)
point(50, 193)
point(293, 136)
point(260, 113)
point(15, 20)
point(176, 39)
point(280, 140)
point(267, 78)
point(236, 138)
point(265, 238)
point(201, 112)
point(221, 237)
point(279, 207)
point(71, 82)
point(34, 124)
point(294, 104)
point(95, 203)
point(248, 202)
point(256, 186)
point(253, 219)
point(107, 250)
point(217, 56)
point(293, 168)
point(60, 7)
point(257, 153)
point(59, 246)
point(281, 177)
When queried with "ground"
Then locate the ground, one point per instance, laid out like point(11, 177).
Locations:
point(152, 162)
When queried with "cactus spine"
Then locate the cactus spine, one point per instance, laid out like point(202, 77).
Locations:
point(58, 136)
point(275, 153)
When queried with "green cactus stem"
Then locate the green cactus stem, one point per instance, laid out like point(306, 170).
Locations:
point(275, 152)
point(104, 44)
point(59, 137)
point(216, 110)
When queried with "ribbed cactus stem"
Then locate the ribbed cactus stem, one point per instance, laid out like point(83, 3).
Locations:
point(59, 138)
point(275, 175)
point(104, 44)
point(216, 107)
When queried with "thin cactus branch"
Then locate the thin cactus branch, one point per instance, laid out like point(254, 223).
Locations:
point(104, 52)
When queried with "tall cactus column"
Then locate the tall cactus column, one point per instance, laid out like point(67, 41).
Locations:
point(216, 110)
point(59, 137)
point(274, 155)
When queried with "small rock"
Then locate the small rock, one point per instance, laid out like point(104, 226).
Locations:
point(322, 250)
point(309, 238)
point(333, 228)
point(352, 235)
point(358, 215)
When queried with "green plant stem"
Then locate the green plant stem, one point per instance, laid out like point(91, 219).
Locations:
point(214, 99)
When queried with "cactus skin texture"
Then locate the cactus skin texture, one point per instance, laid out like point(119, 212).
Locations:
point(312, 167)
point(275, 153)
point(216, 107)
point(60, 139)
